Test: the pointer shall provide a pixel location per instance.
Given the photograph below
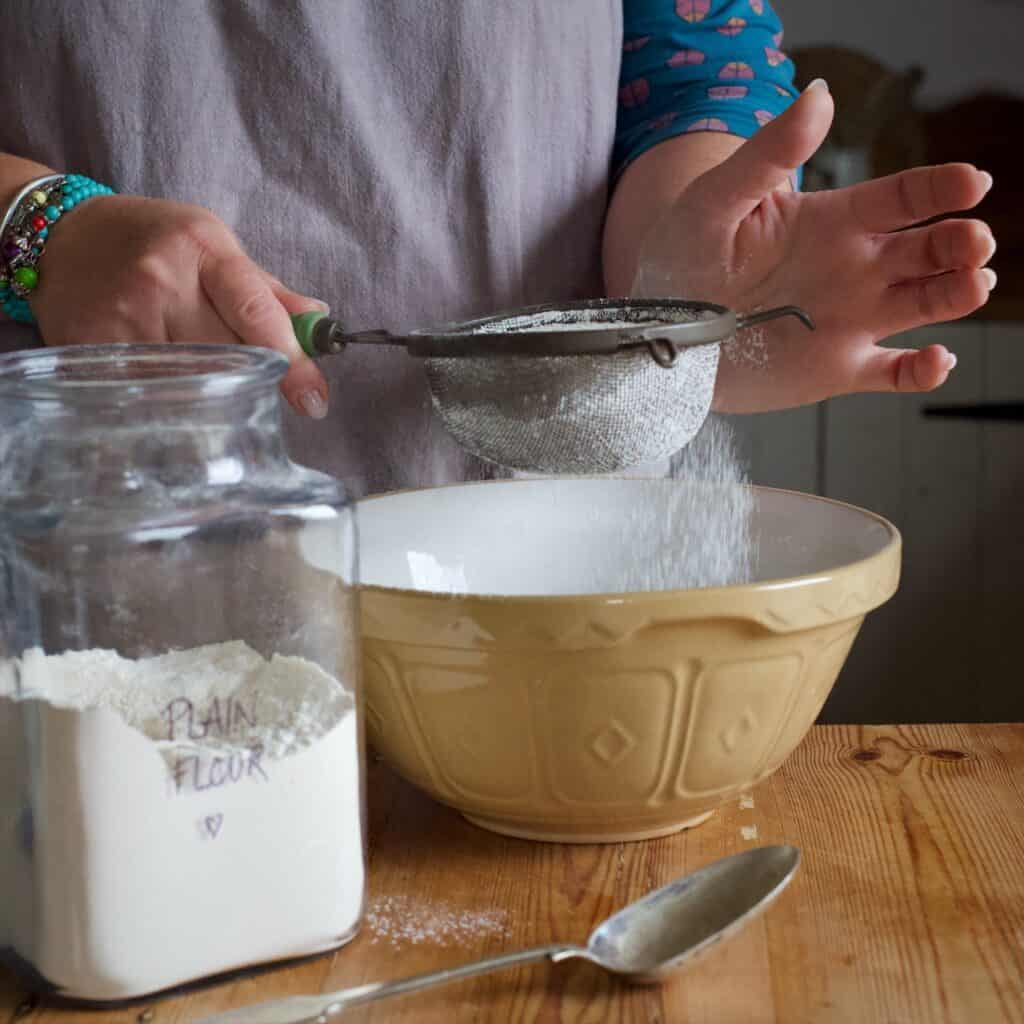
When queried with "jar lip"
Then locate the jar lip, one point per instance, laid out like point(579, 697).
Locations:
point(127, 371)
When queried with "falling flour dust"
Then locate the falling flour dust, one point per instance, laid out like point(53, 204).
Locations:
point(702, 535)
point(712, 519)
point(719, 505)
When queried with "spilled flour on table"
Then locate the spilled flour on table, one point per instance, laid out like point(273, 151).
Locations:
point(401, 921)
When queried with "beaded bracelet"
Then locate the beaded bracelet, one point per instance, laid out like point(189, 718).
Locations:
point(25, 229)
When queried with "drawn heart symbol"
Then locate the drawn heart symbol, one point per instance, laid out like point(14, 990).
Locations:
point(212, 824)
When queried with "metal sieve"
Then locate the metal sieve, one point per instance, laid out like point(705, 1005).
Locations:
point(595, 386)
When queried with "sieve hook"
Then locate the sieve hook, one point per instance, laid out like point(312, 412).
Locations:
point(773, 314)
point(665, 353)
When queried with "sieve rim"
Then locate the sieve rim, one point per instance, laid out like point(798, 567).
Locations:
point(682, 322)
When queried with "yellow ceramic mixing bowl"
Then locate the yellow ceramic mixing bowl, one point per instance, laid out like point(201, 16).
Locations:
point(506, 677)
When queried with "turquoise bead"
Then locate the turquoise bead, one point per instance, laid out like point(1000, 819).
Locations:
point(43, 232)
point(52, 213)
point(68, 204)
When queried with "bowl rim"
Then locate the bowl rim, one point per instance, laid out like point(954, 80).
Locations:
point(799, 582)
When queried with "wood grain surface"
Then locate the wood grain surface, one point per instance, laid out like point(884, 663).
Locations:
point(909, 905)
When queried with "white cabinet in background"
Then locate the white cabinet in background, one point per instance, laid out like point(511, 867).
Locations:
point(944, 649)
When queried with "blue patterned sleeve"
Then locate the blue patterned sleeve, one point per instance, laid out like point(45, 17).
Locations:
point(695, 66)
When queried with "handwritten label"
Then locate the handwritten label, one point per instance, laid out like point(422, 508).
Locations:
point(204, 769)
point(222, 718)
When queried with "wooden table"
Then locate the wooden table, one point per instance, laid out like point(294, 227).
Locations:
point(909, 905)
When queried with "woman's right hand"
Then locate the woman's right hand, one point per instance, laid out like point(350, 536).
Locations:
point(130, 269)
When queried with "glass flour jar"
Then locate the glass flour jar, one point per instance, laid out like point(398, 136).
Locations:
point(181, 787)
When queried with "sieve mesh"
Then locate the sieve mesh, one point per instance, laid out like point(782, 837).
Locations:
point(576, 414)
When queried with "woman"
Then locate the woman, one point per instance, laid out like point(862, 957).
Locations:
point(416, 163)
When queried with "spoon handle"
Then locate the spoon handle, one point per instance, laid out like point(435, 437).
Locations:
point(323, 1008)
point(381, 989)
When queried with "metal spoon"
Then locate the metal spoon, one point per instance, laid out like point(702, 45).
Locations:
point(643, 942)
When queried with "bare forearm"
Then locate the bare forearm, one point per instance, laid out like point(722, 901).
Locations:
point(647, 190)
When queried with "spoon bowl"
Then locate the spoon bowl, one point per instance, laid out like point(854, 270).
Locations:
point(643, 942)
point(674, 925)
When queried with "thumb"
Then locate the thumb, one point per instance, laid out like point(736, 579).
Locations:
point(764, 162)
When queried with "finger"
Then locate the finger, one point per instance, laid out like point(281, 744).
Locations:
point(309, 396)
point(927, 251)
point(245, 301)
point(935, 300)
point(764, 163)
point(907, 370)
point(899, 200)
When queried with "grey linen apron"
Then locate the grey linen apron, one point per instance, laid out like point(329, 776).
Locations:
point(407, 161)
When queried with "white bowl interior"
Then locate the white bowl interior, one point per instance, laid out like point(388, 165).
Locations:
point(579, 536)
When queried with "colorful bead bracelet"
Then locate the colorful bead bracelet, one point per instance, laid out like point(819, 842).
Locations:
point(25, 229)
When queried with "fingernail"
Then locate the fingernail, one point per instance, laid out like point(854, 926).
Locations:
point(987, 179)
point(990, 277)
point(313, 405)
point(950, 361)
point(322, 306)
point(818, 83)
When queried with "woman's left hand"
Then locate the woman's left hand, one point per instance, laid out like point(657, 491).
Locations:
point(852, 257)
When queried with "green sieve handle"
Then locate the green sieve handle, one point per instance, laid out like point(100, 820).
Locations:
point(321, 335)
point(304, 325)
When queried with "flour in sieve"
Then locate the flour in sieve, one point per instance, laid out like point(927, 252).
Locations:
point(576, 414)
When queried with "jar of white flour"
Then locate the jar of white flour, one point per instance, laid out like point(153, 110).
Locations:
point(181, 783)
